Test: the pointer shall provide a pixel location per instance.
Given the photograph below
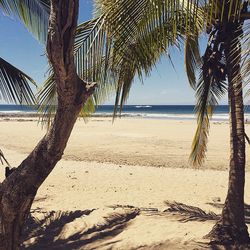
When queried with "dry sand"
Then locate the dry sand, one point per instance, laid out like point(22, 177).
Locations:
point(116, 186)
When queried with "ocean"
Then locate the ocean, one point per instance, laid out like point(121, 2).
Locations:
point(176, 112)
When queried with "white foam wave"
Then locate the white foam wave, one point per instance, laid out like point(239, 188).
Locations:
point(143, 106)
point(216, 117)
point(11, 111)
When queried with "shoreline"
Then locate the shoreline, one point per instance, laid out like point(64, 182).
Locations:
point(174, 117)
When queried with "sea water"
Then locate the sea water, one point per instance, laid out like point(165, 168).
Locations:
point(176, 112)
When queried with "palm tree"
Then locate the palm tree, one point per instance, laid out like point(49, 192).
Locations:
point(220, 73)
point(125, 39)
point(224, 20)
point(106, 50)
point(19, 189)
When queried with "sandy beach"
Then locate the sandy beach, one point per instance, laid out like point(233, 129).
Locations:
point(126, 185)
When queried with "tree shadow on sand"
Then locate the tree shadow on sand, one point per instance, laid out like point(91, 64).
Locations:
point(247, 209)
point(45, 233)
point(97, 228)
point(185, 213)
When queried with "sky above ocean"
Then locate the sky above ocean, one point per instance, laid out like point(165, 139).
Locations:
point(166, 85)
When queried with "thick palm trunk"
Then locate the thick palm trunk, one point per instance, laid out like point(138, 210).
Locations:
point(17, 192)
point(232, 227)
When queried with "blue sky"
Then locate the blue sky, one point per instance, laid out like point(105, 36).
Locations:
point(164, 86)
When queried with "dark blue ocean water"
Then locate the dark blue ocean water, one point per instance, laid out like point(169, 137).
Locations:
point(145, 111)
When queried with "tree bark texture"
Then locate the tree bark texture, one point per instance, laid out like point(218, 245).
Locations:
point(231, 228)
point(17, 192)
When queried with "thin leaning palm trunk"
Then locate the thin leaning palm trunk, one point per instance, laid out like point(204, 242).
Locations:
point(17, 192)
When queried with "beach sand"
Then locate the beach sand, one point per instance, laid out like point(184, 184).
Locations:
point(126, 185)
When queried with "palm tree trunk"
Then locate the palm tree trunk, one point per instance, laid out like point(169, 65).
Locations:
point(231, 228)
point(17, 192)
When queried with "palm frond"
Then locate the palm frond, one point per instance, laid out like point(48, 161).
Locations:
point(245, 59)
point(93, 56)
point(47, 100)
point(142, 31)
point(208, 93)
point(33, 13)
point(212, 85)
point(91, 63)
point(15, 84)
point(126, 39)
point(221, 11)
point(192, 59)
point(210, 88)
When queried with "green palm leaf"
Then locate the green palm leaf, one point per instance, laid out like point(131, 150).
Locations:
point(245, 67)
point(128, 37)
point(208, 93)
point(212, 83)
point(192, 58)
point(91, 59)
point(141, 32)
point(47, 100)
point(210, 88)
point(33, 13)
point(14, 84)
